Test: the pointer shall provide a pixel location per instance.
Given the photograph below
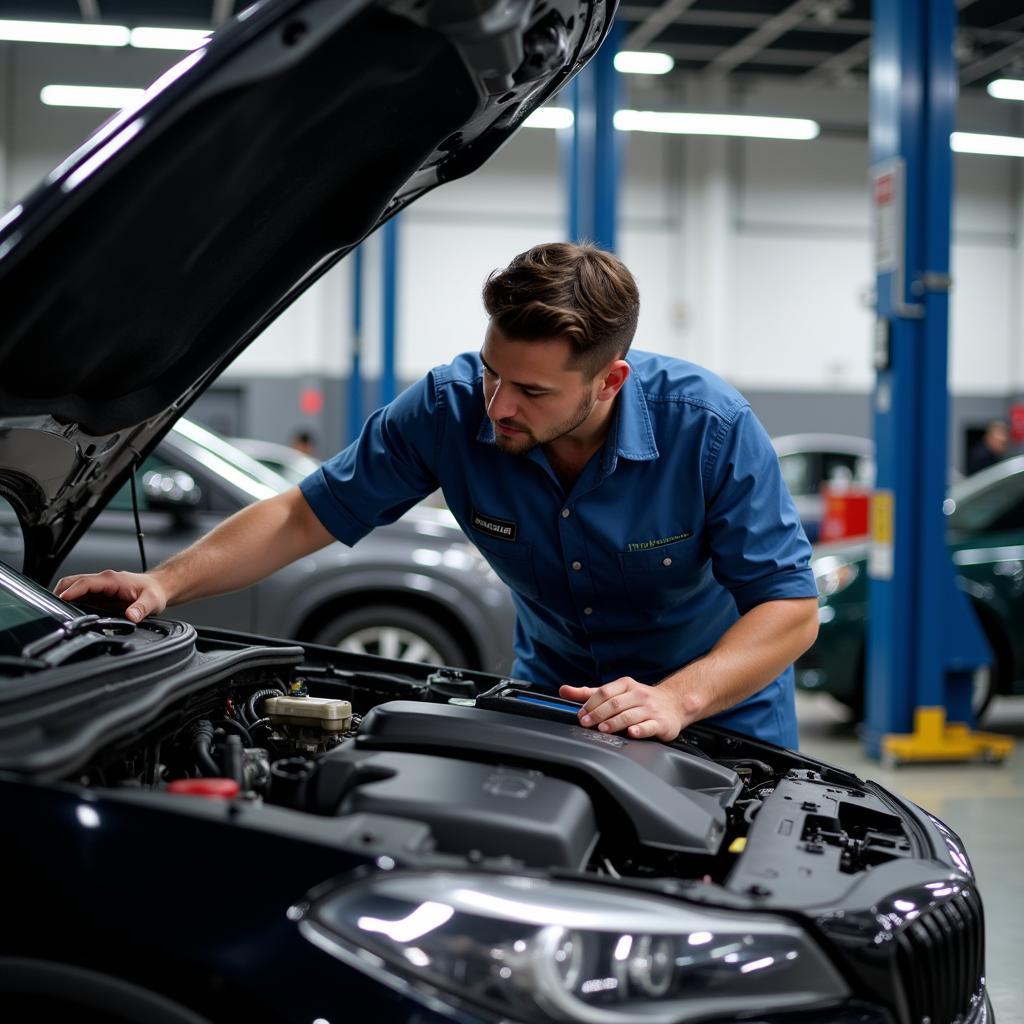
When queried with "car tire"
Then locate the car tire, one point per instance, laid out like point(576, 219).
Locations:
point(386, 631)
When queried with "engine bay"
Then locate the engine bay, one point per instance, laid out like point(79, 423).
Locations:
point(494, 773)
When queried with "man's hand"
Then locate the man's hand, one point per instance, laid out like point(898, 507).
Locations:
point(138, 593)
point(625, 703)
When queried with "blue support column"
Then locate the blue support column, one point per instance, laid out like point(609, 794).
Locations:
point(355, 379)
point(924, 640)
point(594, 149)
point(389, 309)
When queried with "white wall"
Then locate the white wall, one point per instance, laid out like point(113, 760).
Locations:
point(753, 257)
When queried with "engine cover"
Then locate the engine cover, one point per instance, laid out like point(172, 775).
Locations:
point(674, 800)
point(499, 811)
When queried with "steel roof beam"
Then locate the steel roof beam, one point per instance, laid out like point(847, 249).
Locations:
point(649, 29)
point(761, 38)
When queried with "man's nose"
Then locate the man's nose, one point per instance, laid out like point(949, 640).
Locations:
point(501, 405)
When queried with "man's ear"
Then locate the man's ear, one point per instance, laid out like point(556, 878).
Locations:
point(613, 376)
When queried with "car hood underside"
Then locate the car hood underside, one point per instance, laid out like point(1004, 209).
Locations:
point(158, 251)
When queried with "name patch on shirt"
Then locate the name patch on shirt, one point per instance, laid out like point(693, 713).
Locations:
point(644, 545)
point(503, 529)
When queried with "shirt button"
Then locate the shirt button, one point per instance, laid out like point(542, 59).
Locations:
point(577, 566)
point(666, 561)
point(565, 513)
point(588, 610)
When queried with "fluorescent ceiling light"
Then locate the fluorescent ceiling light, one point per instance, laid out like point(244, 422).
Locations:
point(716, 124)
point(549, 117)
point(988, 145)
point(63, 32)
point(1006, 89)
point(89, 96)
point(640, 62)
point(169, 38)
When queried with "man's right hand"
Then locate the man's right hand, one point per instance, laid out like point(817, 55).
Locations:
point(138, 593)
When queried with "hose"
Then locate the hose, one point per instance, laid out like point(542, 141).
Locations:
point(202, 740)
point(251, 714)
point(235, 726)
point(231, 758)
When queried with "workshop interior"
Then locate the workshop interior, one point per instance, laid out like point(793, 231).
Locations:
point(392, 773)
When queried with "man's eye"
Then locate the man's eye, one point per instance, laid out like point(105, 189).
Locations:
point(533, 394)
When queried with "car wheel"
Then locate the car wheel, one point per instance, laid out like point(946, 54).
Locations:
point(404, 634)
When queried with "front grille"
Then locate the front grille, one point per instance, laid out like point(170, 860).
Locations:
point(941, 959)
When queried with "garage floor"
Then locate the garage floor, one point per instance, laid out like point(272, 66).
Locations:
point(984, 804)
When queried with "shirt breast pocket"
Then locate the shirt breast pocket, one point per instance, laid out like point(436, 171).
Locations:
point(513, 562)
point(663, 576)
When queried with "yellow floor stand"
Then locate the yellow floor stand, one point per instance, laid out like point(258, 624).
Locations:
point(935, 739)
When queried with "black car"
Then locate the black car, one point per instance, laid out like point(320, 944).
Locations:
point(207, 825)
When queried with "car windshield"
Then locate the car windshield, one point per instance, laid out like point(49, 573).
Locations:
point(27, 613)
point(989, 508)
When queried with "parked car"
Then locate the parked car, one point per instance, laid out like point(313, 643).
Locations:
point(809, 461)
point(284, 460)
point(416, 590)
point(206, 825)
point(986, 539)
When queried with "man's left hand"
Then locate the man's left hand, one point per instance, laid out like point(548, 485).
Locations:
point(625, 703)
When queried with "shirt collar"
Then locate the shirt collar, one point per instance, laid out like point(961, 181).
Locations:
point(630, 435)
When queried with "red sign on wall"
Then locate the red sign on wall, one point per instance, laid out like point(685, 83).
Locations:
point(1017, 421)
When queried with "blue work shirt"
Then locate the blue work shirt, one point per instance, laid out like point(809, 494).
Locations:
point(678, 524)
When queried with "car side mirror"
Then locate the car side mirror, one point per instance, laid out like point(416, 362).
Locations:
point(172, 491)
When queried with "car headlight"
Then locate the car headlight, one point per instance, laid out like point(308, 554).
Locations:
point(833, 575)
point(541, 951)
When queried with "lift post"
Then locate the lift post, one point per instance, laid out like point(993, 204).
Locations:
point(924, 641)
point(592, 161)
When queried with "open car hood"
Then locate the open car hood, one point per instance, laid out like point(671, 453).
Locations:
point(155, 253)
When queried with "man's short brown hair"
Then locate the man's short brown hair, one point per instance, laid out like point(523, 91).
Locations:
point(562, 290)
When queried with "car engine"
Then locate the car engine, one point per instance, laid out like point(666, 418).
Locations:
point(498, 774)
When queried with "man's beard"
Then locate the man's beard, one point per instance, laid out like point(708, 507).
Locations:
point(527, 441)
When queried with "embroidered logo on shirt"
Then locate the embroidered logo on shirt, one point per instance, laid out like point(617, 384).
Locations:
point(643, 545)
point(503, 529)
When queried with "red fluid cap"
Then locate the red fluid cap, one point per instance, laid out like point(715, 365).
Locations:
point(212, 789)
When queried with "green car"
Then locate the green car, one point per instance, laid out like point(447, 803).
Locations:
point(986, 540)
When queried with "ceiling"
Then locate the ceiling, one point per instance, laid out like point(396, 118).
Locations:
point(804, 41)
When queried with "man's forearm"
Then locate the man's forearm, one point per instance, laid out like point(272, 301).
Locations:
point(749, 655)
point(251, 544)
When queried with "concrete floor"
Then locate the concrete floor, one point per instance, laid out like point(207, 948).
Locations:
point(983, 803)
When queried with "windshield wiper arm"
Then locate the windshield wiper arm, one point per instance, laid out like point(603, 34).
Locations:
point(76, 627)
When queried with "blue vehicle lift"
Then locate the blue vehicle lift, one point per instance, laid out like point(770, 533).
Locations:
point(389, 309)
point(593, 158)
point(355, 380)
point(924, 641)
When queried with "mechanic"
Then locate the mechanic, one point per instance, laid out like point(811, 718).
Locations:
point(635, 507)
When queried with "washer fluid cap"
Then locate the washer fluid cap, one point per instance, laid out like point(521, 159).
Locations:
point(212, 789)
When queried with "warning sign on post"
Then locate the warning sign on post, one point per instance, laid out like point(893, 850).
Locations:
point(887, 203)
point(883, 513)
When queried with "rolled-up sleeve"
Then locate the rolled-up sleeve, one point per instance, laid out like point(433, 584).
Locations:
point(759, 551)
point(385, 471)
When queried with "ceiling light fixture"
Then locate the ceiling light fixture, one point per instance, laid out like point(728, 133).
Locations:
point(641, 62)
point(103, 97)
point(1006, 89)
point(743, 125)
point(169, 38)
point(986, 145)
point(549, 117)
point(145, 37)
point(63, 32)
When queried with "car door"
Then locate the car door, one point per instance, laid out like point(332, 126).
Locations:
point(111, 543)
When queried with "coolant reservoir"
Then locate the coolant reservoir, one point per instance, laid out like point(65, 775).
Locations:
point(324, 713)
